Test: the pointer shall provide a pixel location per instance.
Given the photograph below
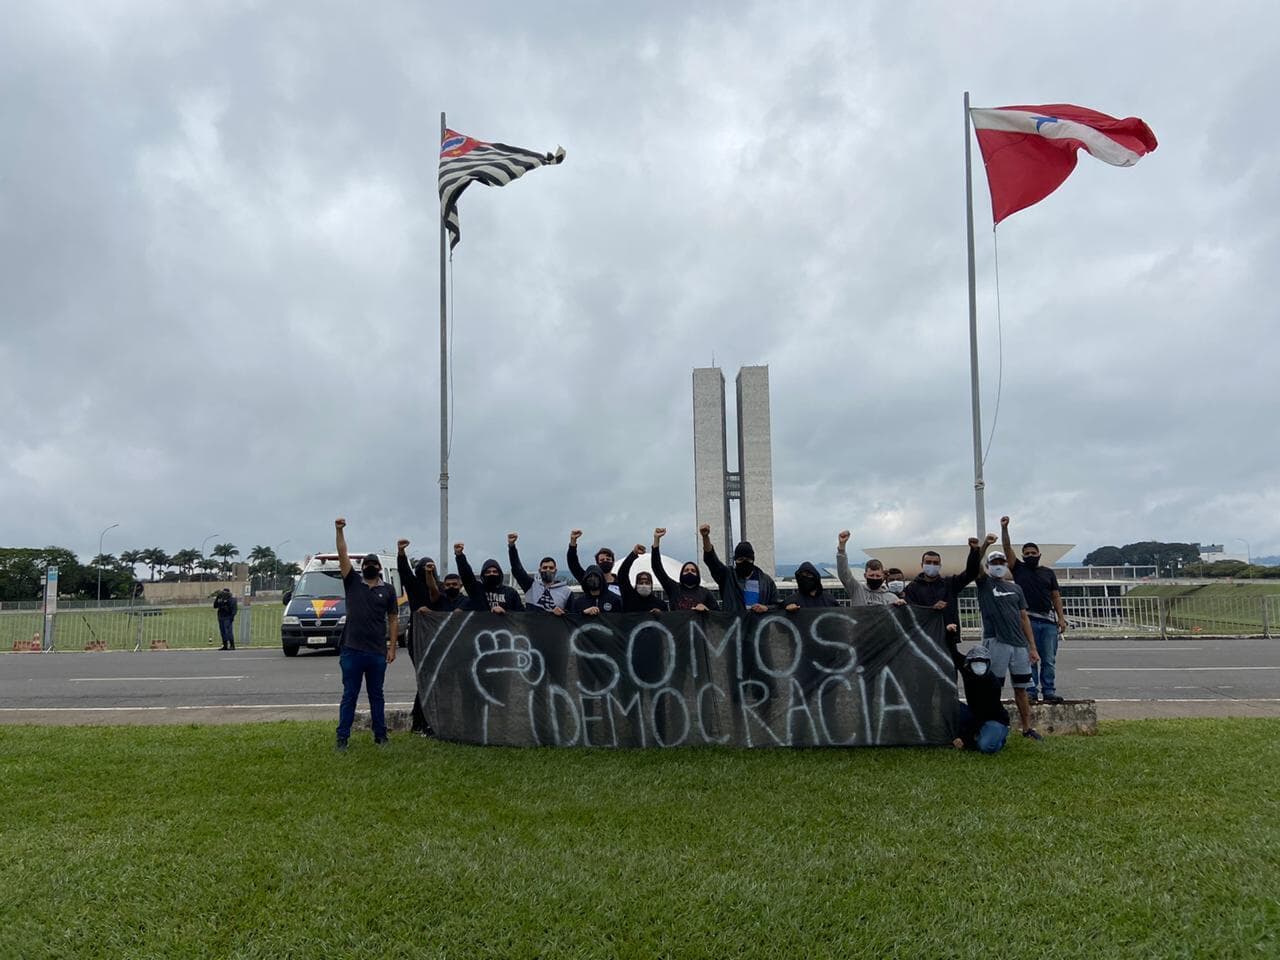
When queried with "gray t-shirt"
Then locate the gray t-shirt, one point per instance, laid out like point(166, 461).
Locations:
point(1001, 603)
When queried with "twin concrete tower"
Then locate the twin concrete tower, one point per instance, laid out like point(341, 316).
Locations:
point(752, 484)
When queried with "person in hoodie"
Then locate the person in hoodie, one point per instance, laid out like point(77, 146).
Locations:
point(604, 560)
point(687, 593)
point(874, 593)
point(932, 589)
point(638, 598)
point(419, 584)
point(549, 594)
point(984, 722)
point(596, 597)
point(744, 586)
point(489, 592)
point(809, 592)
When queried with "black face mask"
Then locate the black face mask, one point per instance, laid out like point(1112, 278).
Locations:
point(743, 567)
point(689, 579)
point(875, 583)
point(491, 580)
point(371, 573)
point(452, 591)
point(807, 581)
point(548, 576)
point(1031, 562)
point(593, 583)
point(604, 565)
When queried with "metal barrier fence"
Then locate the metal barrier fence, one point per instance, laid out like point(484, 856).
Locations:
point(142, 627)
point(1157, 616)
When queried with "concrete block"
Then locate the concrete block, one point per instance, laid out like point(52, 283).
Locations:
point(1073, 716)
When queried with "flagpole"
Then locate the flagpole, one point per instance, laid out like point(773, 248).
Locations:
point(442, 561)
point(978, 483)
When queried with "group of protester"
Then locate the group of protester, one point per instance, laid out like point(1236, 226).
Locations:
point(1019, 601)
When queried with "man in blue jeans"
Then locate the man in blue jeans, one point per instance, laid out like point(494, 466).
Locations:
point(368, 640)
point(1044, 608)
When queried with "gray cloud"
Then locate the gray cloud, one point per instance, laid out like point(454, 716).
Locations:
point(218, 245)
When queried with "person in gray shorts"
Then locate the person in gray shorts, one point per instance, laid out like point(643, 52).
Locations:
point(1006, 631)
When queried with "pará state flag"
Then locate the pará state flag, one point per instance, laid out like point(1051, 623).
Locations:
point(1029, 151)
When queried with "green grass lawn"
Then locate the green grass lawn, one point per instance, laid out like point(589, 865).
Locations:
point(118, 628)
point(1153, 839)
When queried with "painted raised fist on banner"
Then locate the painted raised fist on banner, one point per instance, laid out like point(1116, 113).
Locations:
point(500, 652)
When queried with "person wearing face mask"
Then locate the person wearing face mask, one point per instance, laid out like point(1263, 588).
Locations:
point(604, 560)
point(640, 597)
point(419, 583)
point(452, 596)
point(932, 589)
point(983, 721)
point(895, 581)
point(549, 593)
point(809, 592)
point(874, 593)
point(369, 639)
point(1006, 633)
point(687, 593)
point(1044, 607)
point(489, 592)
point(596, 597)
point(744, 586)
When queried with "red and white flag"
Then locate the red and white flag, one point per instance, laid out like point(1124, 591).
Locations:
point(1029, 151)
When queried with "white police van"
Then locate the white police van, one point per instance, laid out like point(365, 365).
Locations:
point(315, 610)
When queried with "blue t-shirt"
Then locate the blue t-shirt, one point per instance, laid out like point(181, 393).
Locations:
point(367, 610)
point(751, 592)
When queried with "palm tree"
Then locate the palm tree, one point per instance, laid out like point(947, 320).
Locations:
point(154, 557)
point(208, 566)
point(225, 551)
point(261, 559)
point(185, 560)
point(104, 560)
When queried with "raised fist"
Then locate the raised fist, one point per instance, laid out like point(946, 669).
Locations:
point(705, 529)
point(574, 535)
point(512, 538)
point(340, 523)
point(659, 533)
point(991, 538)
point(457, 549)
point(402, 544)
point(973, 543)
point(844, 537)
point(639, 549)
point(1004, 521)
point(501, 652)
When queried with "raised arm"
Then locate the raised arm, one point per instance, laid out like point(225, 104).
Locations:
point(717, 569)
point(418, 596)
point(669, 586)
point(973, 566)
point(857, 592)
point(344, 562)
point(624, 573)
point(475, 590)
point(1006, 544)
point(571, 558)
point(518, 572)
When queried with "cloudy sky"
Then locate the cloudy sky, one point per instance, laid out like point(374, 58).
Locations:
point(219, 271)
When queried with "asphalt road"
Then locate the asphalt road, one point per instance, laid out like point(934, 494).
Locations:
point(1162, 678)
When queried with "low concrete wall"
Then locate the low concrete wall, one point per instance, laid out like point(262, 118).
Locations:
point(190, 590)
point(1073, 716)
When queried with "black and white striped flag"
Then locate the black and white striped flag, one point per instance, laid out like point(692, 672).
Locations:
point(464, 161)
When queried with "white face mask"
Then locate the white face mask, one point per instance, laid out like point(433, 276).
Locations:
point(979, 667)
point(896, 586)
point(932, 569)
point(998, 570)
point(644, 589)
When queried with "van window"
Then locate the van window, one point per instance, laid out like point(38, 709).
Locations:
point(320, 583)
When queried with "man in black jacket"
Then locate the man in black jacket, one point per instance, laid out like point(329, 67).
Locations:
point(809, 592)
point(489, 592)
point(932, 589)
point(596, 597)
point(687, 593)
point(226, 605)
point(984, 722)
point(604, 560)
point(744, 586)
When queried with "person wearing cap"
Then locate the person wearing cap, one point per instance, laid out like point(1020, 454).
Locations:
point(549, 594)
point(874, 593)
point(1044, 607)
point(983, 722)
point(744, 586)
point(489, 592)
point(369, 639)
point(932, 589)
point(1006, 633)
point(604, 560)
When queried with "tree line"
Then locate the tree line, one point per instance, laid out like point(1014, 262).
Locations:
point(1175, 559)
point(22, 569)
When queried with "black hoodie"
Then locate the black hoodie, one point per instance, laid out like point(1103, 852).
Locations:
point(981, 693)
point(632, 602)
point(818, 599)
point(482, 598)
point(679, 596)
point(607, 600)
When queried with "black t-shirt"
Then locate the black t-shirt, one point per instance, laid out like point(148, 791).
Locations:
point(367, 610)
point(1037, 585)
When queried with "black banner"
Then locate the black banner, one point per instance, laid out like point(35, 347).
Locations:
point(862, 676)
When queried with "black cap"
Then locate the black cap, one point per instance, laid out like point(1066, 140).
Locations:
point(371, 558)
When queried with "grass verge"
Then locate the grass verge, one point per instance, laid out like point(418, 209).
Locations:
point(1154, 839)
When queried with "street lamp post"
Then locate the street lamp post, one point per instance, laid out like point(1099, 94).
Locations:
point(1248, 552)
point(202, 543)
point(99, 565)
point(275, 553)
